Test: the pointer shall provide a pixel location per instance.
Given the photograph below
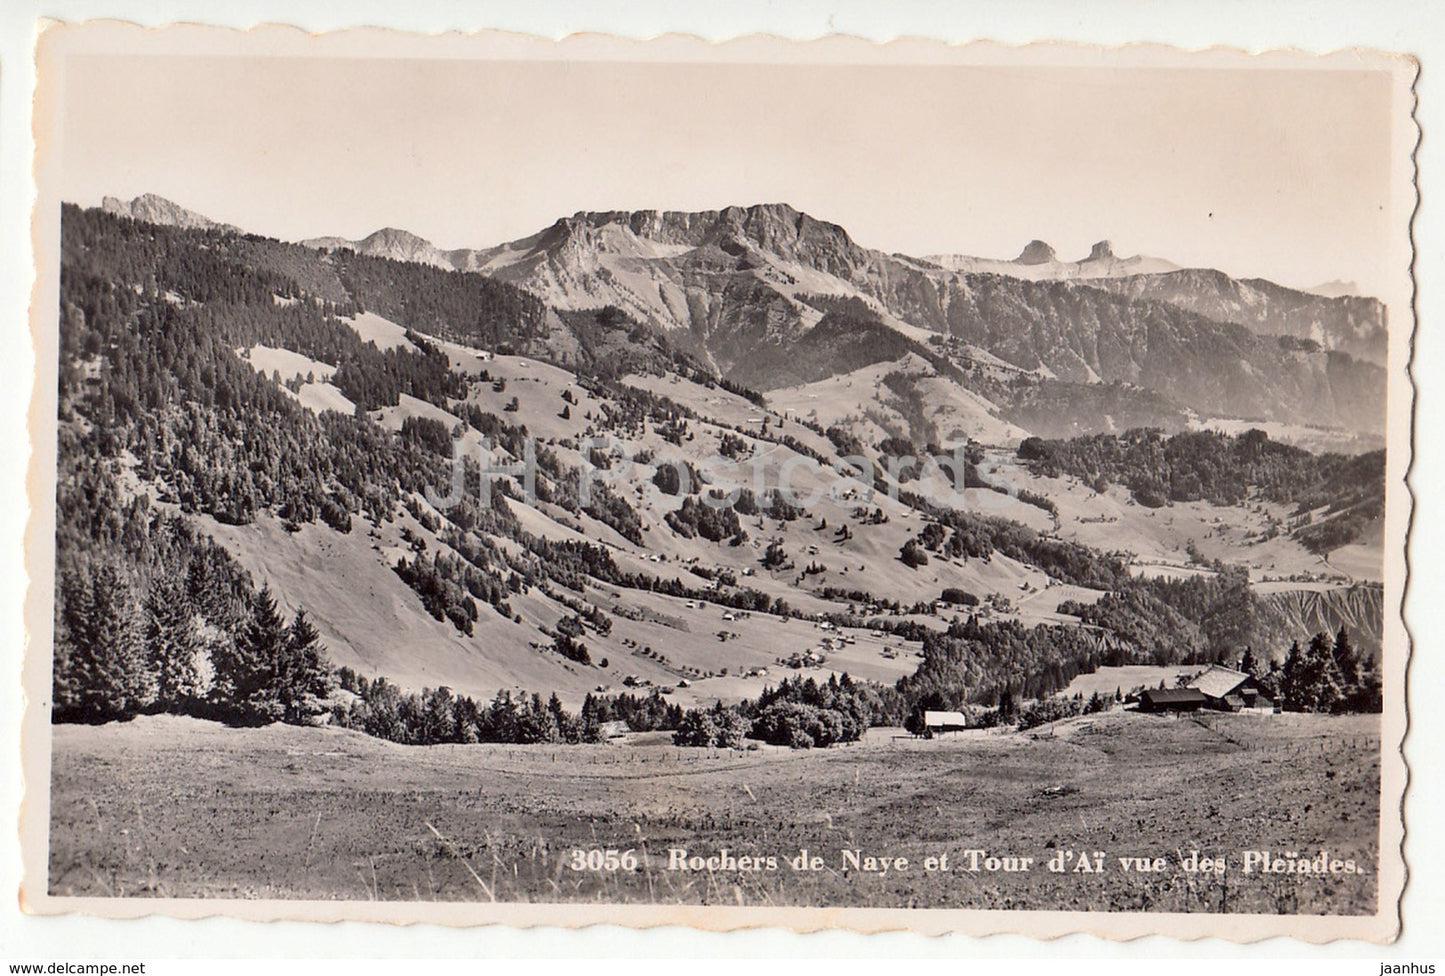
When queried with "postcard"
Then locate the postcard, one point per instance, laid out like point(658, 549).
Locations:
point(486, 479)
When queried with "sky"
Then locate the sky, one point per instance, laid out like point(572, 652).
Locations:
point(1283, 174)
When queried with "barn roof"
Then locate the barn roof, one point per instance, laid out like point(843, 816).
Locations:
point(1219, 681)
point(1172, 696)
point(935, 719)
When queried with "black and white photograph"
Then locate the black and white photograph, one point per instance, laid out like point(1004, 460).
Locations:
point(491, 479)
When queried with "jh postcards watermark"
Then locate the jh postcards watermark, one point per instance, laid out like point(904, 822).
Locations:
point(943, 480)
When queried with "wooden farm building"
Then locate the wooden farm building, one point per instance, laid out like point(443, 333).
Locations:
point(1229, 690)
point(1219, 689)
point(1171, 700)
point(936, 723)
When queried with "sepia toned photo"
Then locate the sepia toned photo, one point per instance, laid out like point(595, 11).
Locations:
point(487, 479)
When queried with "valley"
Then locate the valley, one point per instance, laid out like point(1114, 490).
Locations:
point(331, 413)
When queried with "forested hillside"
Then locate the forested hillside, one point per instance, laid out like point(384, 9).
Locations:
point(212, 382)
point(1336, 498)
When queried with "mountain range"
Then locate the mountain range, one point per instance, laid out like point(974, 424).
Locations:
point(770, 297)
point(236, 410)
point(1038, 262)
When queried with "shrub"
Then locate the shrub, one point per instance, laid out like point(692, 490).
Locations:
point(913, 555)
point(571, 648)
point(800, 726)
point(718, 726)
point(1047, 710)
point(696, 518)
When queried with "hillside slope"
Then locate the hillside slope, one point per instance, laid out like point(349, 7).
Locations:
point(1359, 609)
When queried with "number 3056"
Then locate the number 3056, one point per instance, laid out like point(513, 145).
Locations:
point(598, 859)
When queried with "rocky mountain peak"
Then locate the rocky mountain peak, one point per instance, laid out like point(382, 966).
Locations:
point(765, 224)
point(395, 235)
point(1036, 252)
point(401, 245)
point(154, 209)
point(395, 239)
point(782, 230)
point(777, 227)
point(1102, 251)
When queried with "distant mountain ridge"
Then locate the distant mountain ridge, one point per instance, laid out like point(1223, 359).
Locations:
point(769, 296)
point(1334, 289)
point(1345, 323)
point(614, 257)
point(389, 242)
point(745, 281)
point(1039, 262)
point(153, 209)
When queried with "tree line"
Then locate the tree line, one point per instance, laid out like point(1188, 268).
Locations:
point(1326, 675)
point(199, 643)
point(801, 713)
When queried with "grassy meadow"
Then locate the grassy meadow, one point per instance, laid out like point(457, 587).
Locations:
point(172, 807)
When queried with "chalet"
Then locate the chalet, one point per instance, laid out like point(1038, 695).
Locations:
point(1228, 690)
point(612, 731)
point(936, 723)
point(1172, 700)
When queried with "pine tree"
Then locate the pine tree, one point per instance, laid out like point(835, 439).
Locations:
point(543, 723)
point(304, 675)
point(72, 601)
point(1347, 661)
point(1369, 696)
point(211, 587)
point(248, 668)
point(1324, 678)
point(439, 719)
point(1291, 679)
point(172, 644)
point(1248, 664)
point(100, 669)
point(467, 720)
point(1008, 706)
point(589, 728)
point(565, 725)
point(502, 721)
point(1311, 682)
